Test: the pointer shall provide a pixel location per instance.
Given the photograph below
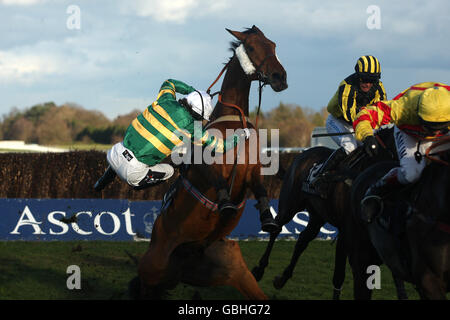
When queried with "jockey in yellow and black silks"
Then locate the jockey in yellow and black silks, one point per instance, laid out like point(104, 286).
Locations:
point(361, 88)
point(421, 115)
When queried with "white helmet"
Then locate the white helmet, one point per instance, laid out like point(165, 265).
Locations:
point(200, 103)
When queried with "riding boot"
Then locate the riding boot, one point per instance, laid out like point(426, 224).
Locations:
point(106, 179)
point(331, 163)
point(268, 223)
point(224, 201)
point(372, 203)
point(155, 176)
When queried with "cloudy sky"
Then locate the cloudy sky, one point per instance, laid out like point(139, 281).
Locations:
point(112, 55)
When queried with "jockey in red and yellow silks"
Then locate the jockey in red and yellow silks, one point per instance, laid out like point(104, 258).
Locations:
point(421, 115)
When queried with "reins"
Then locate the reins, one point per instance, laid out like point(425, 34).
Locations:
point(241, 112)
point(431, 157)
point(261, 85)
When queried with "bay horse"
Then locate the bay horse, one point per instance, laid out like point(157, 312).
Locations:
point(333, 209)
point(188, 242)
point(416, 243)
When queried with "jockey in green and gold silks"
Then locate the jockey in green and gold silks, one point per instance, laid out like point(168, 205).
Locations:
point(151, 137)
point(155, 132)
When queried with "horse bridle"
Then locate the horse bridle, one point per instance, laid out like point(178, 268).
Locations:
point(262, 79)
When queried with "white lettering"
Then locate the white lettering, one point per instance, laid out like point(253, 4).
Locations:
point(127, 214)
point(374, 20)
point(27, 219)
point(300, 221)
point(57, 222)
point(77, 228)
point(98, 225)
point(274, 158)
point(374, 281)
point(74, 281)
point(74, 20)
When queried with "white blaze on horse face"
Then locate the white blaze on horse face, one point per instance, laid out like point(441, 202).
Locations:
point(244, 60)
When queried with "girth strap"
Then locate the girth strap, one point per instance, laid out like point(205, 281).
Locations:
point(233, 118)
point(200, 197)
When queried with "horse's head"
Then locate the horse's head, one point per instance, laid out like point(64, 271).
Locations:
point(258, 59)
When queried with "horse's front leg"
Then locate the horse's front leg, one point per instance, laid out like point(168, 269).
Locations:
point(268, 223)
point(208, 175)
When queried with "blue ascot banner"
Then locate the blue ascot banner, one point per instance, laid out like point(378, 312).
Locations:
point(116, 220)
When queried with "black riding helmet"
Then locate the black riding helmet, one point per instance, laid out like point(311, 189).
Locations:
point(368, 69)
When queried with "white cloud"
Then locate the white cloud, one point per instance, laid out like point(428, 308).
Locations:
point(21, 2)
point(27, 67)
point(175, 11)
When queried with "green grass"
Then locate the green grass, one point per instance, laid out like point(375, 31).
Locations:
point(37, 270)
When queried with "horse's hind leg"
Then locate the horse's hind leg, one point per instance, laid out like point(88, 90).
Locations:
point(400, 287)
point(258, 271)
point(306, 236)
point(340, 260)
point(222, 264)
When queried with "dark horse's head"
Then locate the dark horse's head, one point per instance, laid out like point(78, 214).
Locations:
point(258, 58)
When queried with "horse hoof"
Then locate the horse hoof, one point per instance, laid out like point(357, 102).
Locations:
point(134, 288)
point(279, 282)
point(258, 273)
point(336, 294)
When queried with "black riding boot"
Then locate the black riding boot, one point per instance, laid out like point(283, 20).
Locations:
point(106, 179)
point(268, 223)
point(331, 163)
point(372, 203)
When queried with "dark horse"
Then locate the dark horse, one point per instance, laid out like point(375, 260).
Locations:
point(188, 241)
point(333, 209)
point(415, 244)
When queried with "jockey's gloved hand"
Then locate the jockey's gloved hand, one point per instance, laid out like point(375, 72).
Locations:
point(371, 146)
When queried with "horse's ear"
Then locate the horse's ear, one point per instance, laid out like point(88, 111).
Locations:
point(238, 35)
point(255, 28)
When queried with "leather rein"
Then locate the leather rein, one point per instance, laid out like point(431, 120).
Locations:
point(262, 79)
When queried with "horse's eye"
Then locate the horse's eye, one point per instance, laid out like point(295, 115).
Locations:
point(250, 49)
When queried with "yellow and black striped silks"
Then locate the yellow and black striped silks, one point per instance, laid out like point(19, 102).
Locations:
point(368, 65)
point(344, 104)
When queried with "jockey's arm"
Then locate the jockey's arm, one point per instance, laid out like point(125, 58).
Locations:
point(171, 86)
point(371, 117)
point(216, 143)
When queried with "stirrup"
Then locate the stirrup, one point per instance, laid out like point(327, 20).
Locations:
point(226, 205)
point(224, 202)
point(148, 184)
point(268, 223)
point(270, 226)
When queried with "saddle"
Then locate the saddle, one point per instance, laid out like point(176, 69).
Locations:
point(325, 186)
